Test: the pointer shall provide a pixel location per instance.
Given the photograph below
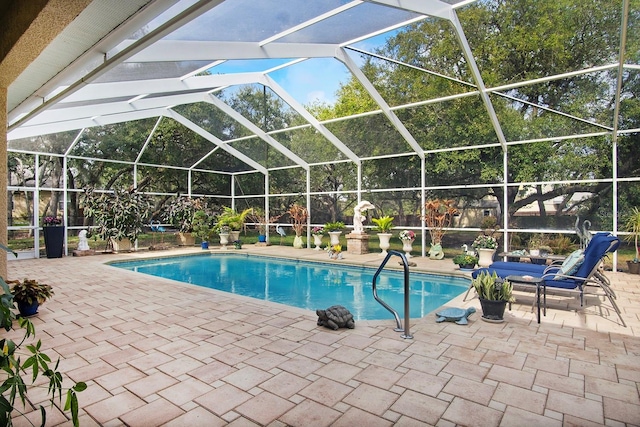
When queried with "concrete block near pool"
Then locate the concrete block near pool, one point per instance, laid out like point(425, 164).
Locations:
point(357, 243)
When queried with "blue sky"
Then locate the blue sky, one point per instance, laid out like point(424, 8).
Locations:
point(313, 80)
point(316, 79)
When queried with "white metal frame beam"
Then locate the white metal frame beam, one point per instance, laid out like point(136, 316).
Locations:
point(171, 25)
point(256, 130)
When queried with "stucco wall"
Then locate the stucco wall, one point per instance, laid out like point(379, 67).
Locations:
point(27, 27)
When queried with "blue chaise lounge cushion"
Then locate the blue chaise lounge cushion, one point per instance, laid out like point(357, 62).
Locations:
point(571, 264)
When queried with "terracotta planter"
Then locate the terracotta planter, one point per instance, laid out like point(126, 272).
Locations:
point(123, 245)
point(186, 239)
point(634, 267)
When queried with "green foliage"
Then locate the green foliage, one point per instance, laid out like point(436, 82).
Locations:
point(561, 245)
point(181, 212)
point(465, 259)
point(632, 226)
point(485, 242)
point(36, 361)
point(334, 226)
point(29, 291)
point(489, 222)
point(232, 219)
point(383, 224)
point(490, 287)
point(202, 226)
point(118, 215)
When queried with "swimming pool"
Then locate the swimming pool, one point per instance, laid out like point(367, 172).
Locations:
point(305, 284)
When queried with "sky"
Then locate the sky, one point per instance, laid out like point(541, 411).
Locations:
point(313, 80)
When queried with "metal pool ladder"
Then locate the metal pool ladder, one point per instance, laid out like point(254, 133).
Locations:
point(399, 328)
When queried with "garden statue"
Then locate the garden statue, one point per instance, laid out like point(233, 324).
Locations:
point(358, 218)
point(83, 242)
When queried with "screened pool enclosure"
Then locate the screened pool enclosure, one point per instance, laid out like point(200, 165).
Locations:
point(525, 110)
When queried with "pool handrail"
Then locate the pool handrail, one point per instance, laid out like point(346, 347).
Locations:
point(405, 264)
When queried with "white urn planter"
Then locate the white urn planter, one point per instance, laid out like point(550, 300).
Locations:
point(234, 235)
point(384, 242)
point(317, 240)
point(407, 247)
point(335, 237)
point(485, 257)
point(224, 240)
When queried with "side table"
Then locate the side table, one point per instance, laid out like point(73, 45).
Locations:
point(528, 281)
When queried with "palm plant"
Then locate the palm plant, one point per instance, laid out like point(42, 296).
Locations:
point(632, 226)
point(383, 224)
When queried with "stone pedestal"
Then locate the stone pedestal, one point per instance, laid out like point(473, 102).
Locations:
point(357, 243)
point(87, 252)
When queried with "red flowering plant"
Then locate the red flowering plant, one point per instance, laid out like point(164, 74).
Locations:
point(51, 221)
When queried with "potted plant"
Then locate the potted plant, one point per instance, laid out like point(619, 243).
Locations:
point(485, 246)
point(407, 237)
point(335, 230)
point(202, 227)
point(298, 215)
point(465, 261)
point(632, 226)
point(29, 294)
point(334, 251)
point(534, 244)
point(14, 363)
point(438, 216)
point(120, 216)
point(180, 215)
point(258, 217)
point(317, 233)
point(234, 220)
point(383, 227)
point(494, 294)
point(53, 236)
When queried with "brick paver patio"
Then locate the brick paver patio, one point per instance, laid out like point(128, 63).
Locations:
point(158, 353)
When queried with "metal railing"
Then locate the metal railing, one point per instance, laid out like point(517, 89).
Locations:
point(399, 328)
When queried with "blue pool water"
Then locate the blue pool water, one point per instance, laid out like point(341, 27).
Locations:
point(308, 285)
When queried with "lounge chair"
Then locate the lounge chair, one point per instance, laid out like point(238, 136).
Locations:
point(579, 270)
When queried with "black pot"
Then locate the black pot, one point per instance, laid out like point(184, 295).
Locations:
point(493, 310)
point(466, 266)
point(54, 241)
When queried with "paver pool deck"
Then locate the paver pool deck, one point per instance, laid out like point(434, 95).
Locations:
point(155, 352)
